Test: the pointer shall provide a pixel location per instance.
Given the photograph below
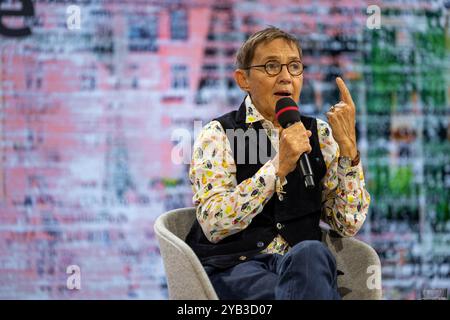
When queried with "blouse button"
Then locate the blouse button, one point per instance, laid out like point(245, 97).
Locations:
point(279, 226)
point(260, 244)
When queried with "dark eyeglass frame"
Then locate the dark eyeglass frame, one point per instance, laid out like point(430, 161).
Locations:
point(281, 67)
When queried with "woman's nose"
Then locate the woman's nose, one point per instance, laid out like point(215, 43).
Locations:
point(284, 75)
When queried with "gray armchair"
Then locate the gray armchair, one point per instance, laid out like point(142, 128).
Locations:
point(187, 279)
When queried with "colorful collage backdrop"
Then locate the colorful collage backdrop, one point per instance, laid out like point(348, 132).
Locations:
point(94, 113)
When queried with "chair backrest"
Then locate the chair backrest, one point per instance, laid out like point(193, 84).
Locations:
point(361, 267)
point(186, 277)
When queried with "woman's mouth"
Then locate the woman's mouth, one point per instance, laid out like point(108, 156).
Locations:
point(282, 94)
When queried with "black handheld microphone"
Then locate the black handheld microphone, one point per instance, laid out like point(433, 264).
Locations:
point(287, 114)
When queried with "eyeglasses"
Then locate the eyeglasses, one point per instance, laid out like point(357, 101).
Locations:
point(273, 68)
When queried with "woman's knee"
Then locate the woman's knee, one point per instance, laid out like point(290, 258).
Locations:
point(311, 250)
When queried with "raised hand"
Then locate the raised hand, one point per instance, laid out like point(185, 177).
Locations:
point(341, 118)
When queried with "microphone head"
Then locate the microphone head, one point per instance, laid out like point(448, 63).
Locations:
point(286, 112)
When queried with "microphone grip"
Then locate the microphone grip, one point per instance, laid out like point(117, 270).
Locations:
point(305, 167)
point(306, 171)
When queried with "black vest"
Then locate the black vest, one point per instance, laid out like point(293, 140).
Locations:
point(296, 217)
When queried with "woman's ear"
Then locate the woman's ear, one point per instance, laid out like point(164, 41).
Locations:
point(241, 78)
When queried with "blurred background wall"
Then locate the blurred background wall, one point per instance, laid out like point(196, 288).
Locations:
point(90, 114)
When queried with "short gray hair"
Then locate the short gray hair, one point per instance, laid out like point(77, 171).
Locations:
point(246, 52)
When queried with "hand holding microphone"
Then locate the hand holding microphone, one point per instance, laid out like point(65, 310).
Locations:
point(294, 142)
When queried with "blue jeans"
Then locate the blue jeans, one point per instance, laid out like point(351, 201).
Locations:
point(306, 272)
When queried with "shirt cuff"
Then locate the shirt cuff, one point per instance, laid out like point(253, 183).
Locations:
point(350, 176)
point(278, 189)
point(268, 173)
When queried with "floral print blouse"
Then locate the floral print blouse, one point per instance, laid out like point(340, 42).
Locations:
point(225, 207)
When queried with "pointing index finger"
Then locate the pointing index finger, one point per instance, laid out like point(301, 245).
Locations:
point(345, 94)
